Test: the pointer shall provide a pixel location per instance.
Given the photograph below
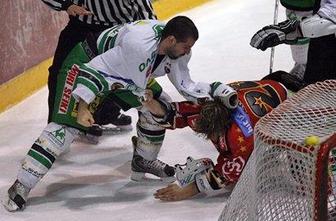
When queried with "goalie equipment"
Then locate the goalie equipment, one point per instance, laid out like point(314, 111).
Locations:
point(225, 93)
point(285, 32)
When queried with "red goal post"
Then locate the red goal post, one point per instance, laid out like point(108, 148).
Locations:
point(285, 178)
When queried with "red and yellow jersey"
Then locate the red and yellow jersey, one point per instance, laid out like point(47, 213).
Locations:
point(256, 99)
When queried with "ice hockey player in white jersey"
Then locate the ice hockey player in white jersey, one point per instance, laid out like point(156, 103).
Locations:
point(131, 56)
point(145, 50)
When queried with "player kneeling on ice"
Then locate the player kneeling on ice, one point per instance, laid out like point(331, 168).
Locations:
point(229, 129)
point(130, 57)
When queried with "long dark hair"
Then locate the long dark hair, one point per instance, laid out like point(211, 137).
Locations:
point(214, 119)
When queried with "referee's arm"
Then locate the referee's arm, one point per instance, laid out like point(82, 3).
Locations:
point(58, 5)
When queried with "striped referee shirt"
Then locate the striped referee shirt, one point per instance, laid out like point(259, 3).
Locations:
point(108, 12)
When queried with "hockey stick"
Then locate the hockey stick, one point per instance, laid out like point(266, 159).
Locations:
point(275, 21)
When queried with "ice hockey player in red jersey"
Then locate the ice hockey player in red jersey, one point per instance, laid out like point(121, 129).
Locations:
point(230, 130)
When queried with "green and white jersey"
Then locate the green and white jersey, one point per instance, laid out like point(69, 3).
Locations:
point(127, 57)
point(327, 8)
point(298, 5)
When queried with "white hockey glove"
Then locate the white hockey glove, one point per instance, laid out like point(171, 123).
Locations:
point(200, 171)
point(287, 32)
point(185, 173)
point(225, 93)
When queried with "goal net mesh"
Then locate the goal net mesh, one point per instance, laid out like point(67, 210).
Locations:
point(285, 178)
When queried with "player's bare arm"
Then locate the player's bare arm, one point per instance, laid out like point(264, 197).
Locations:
point(174, 192)
point(74, 10)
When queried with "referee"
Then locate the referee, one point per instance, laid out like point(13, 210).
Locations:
point(92, 16)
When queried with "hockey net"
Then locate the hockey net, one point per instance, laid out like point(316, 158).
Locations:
point(285, 179)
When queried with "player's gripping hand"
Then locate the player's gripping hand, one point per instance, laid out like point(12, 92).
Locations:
point(84, 116)
point(74, 10)
point(286, 32)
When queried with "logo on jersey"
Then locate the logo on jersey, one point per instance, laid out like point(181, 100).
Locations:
point(167, 68)
point(67, 89)
point(221, 145)
point(149, 71)
point(262, 100)
point(243, 121)
point(233, 168)
point(158, 30)
point(147, 64)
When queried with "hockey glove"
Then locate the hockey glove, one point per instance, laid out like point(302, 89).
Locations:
point(200, 171)
point(286, 32)
point(225, 93)
point(185, 174)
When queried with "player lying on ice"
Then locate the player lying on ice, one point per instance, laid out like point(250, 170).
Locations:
point(130, 57)
point(229, 129)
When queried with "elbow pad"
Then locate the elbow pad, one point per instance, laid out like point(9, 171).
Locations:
point(317, 26)
point(202, 172)
point(225, 93)
point(209, 181)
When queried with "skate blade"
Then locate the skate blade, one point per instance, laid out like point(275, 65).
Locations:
point(116, 130)
point(143, 177)
point(88, 140)
point(10, 205)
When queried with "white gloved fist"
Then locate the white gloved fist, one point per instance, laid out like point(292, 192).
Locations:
point(225, 93)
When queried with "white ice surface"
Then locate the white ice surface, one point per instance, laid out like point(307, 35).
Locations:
point(92, 182)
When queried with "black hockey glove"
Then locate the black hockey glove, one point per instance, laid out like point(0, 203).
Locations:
point(285, 32)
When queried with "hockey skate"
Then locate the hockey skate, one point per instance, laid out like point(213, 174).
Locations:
point(91, 136)
point(141, 166)
point(17, 197)
point(118, 125)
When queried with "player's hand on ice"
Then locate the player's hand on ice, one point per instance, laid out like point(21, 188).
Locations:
point(84, 116)
point(286, 32)
point(174, 192)
point(74, 10)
